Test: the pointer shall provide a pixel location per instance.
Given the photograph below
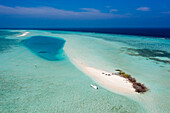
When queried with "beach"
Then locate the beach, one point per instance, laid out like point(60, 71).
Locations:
point(112, 82)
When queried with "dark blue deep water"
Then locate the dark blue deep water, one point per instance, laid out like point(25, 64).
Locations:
point(152, 32)
point(45, 47)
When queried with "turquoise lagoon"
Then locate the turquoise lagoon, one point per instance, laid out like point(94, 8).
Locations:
point(38, 75)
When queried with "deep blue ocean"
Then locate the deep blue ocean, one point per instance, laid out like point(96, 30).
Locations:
point(151, 32)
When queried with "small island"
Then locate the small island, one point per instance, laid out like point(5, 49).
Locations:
point(140, 88)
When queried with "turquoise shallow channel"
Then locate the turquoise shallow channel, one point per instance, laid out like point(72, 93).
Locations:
point(37, 75)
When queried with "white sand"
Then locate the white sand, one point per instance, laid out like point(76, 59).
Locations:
point(114, 83)
point(24, 34)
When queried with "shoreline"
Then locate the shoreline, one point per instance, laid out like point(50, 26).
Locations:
point(113, 83)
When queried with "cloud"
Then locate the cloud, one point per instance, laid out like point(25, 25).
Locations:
point(113, 10)
point(168, 12)
point(143, 9)
point(50, 12)
point(90, 9)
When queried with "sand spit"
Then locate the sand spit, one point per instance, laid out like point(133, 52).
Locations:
point(24, 34)
point(109, 80)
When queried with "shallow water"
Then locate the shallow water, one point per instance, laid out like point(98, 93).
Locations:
point(115, 53)
point(58, 86)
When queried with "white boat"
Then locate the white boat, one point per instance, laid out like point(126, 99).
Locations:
point(93, 86)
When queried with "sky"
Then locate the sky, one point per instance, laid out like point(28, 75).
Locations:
point(84, 13)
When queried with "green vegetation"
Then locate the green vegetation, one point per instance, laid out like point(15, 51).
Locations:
point(140, 88)
point(127, 75)
point(123, 74)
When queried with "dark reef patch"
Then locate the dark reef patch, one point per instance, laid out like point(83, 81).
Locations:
point(6, 44)
point(7, 33)
point(46, 47)
point(164, 61)
point(148, 53)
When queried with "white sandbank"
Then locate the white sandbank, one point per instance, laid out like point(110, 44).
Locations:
point(24, 34)
point(114, 82)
